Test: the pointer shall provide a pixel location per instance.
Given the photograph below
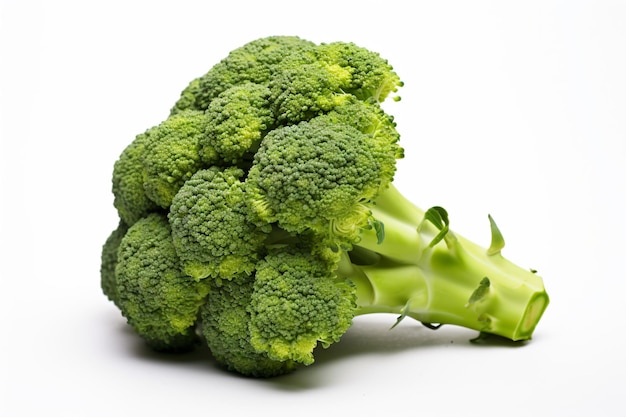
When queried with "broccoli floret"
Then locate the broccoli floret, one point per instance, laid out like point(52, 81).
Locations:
point(226, 326)
point(262, 215)
point(371, 76)
point(314, 176)
point(171, 155)
point(302, 91)
point(213, 229)
point(298, 302)
point(157, 298)
point(151, 170)
point(255, 62)
point(342, 71)
point(237, 121)
point(370, 119)
point(131, 200)
point(108, 281)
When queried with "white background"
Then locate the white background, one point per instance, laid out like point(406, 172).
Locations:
point(511, 108)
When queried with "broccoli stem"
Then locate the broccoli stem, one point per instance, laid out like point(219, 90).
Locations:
point(453, 281)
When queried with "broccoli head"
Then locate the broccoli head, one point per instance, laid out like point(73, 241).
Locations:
point(261, 216)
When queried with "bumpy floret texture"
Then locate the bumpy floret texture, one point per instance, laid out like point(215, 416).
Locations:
point(212, 228)
point(297, 302)
point(226, 326)
point(238, 119)
point(154, 294)
point(312, 176)
point(255, 62)
point(109, 262)
point(171, 155)
point(306, 91)
point(370, 76)
point(131, 200)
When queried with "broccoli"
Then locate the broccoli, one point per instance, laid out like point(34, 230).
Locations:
point(296, 302)
point(159, 300)
point(131, 200)
point(225, 319)
point(238, 119)
point(261, 216)
point(211, 228)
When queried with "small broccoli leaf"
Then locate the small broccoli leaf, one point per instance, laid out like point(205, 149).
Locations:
point(480, 292)
point(403, 314)
point(438, 216)
point(497, 240)
point(379, 228)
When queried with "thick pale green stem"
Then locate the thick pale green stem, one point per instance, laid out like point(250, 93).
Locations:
point(453, 282)
point(401, 219)
point(449, 287)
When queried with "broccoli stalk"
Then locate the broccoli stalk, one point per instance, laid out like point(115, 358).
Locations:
point(414, 266)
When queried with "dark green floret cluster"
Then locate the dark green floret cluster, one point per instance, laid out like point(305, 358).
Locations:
point(260, 217)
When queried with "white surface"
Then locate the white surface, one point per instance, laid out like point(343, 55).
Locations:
point(510, 108)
